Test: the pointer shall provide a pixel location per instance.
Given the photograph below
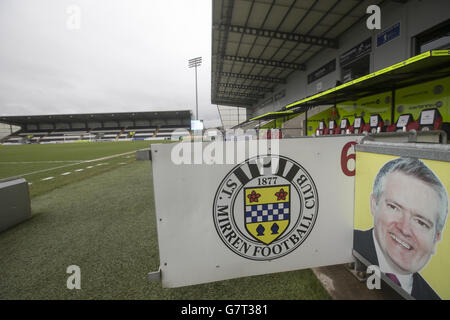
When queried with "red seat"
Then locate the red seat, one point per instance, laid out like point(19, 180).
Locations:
point(332, 127)
point(366, 128)
point(358, 125)
point(321, 129)
point(344, 125)
point(413, 126)
point(438, 124)
point(274, 134)
point(405, 122)
point(391, 128)
point(376, 123)
point(351, 129)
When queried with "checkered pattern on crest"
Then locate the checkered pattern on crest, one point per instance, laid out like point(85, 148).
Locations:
point(267, 212)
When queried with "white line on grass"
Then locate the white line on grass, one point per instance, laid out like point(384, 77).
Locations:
point(28, 162)
point(109, 157)
point(66, 173)
point(48, 178)
point(71, 164)
point(78, 170)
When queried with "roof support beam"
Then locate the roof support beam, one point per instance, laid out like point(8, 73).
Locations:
point(271, 63)
point(244, 87)
point(251, 77)
point(234, 102)
point(241, 94)
point(299, 38)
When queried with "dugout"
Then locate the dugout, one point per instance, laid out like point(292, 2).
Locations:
point(412, 88)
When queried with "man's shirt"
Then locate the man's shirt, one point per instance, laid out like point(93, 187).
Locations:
point(406, 281)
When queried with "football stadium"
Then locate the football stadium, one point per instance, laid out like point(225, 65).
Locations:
point(327, 178)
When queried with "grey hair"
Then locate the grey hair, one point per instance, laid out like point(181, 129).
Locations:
point(416, 168)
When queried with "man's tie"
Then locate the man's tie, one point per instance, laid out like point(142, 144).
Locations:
point(394, 278)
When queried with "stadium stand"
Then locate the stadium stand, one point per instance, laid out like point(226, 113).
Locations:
point(97, 127)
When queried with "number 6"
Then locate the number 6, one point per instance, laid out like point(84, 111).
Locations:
point(345, 157)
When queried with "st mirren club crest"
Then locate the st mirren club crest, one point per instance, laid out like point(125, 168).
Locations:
point(267, 212)
point(265, 207)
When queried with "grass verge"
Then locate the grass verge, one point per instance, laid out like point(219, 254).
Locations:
point(106, 225)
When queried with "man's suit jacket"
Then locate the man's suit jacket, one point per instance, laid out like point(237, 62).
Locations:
point(364, 245)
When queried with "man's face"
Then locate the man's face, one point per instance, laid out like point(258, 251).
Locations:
point(405, 222)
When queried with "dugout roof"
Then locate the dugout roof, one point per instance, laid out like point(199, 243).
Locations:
point(421, 68)
point(182, 117)
point(258, 44)
point(425, 67)
point(274, 115)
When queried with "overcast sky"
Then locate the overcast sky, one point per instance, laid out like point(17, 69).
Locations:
point(83, 56)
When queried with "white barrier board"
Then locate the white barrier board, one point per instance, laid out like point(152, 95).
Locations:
point(265, 214)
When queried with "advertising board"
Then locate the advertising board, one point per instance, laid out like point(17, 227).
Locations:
point(401, 206)
point(367, 106)
point(430, 95)
point(279, 211)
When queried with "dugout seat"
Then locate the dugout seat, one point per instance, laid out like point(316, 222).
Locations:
point(321, 129)
point(274, 134)
point(376, 123)
point(358, 126)
point(331, 128)
point(414, 125)
point(344, 126)
point(430, 119)
point(405, 122)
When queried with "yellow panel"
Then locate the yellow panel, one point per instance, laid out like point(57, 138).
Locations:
point(376, 104)
point(326, 115)
point(433, 94)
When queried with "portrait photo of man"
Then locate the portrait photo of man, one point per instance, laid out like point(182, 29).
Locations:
point(409, 206)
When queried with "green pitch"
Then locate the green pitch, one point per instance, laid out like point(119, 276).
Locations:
point(49, 166)
point(68, 151)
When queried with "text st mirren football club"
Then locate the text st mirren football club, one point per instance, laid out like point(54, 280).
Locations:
point(265, 214)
